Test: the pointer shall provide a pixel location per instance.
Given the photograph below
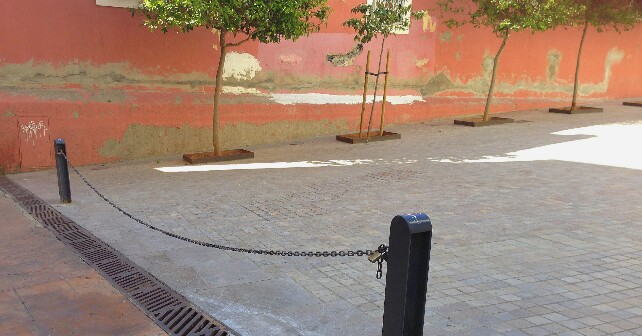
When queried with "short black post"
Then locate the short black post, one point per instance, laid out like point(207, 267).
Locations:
point(63, 172)
point(407, 275)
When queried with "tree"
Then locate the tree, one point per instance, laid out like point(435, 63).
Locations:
point(265, 21)
point(380, 18)
point(504, 17)
point(616, 14)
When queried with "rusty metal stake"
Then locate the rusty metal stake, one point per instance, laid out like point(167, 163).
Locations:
point(365, 92)
point(385, 92)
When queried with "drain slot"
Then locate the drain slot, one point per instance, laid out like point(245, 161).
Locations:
point(170, 310)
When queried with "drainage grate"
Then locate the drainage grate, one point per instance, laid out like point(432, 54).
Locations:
point(170, 310)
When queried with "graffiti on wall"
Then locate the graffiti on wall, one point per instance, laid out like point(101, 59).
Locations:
point(34, 130)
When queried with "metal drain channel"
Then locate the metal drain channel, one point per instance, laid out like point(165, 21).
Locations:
point(170, 310)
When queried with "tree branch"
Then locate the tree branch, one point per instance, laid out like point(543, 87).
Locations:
point(236, 44)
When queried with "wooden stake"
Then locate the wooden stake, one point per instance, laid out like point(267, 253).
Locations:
point(365, 92)
point(385, 91)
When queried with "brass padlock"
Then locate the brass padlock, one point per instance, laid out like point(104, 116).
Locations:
point(375, 256)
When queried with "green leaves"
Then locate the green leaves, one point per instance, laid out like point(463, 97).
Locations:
point(505, 16)
point(540, 15)
point(264, 20)
point(382, 17)
point(616, 14)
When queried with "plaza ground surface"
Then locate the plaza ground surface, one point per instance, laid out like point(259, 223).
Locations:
point(537, 226)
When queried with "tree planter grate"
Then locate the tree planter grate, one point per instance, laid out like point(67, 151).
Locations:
point(170, 310)
point(576, 110)
point(633, 103)
point(374, 136)
point(479, 122)
point(227, 155)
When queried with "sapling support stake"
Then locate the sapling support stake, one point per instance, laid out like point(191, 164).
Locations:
point(385, 92)
point(365, 94)
point(374, 97)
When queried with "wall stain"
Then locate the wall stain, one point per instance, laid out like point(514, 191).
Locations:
point(105, 83)
point(554, 59)
point(443, 82)
point(445, 36)
point(35, 75)
point(149, 140)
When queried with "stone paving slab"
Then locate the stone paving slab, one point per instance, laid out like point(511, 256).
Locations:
point(532, 243)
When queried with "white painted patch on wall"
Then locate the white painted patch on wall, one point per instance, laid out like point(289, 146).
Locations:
point(322, 99)
point(238, 90)
point(118, 3)
point(34, 131)
point(241, 66)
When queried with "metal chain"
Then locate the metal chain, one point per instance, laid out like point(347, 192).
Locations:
point(383, 250)
point(219, 246)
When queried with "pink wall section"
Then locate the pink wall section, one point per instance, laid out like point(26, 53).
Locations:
point(98, 78)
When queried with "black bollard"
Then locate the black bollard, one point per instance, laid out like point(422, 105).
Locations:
point(407, 276)
point(64, 188)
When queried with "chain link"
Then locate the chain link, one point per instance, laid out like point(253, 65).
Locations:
point(219, 246)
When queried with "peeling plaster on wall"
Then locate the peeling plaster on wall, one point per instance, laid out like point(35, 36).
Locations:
point(148, 140)
point(320, 99)
point(428, 24)
point(421, 62)
point(487, 64)
point(245, 134)
point(346, 59)
point(34, 75)
point(445, 36)
point(118, 3)
point(554, 59)
point(141, 141)
point(614, 56)
point(9, 114)
point(240, 66)
point(291, 59)
point(48, 94)
point(238, 90)
point(76, 115)
point(442, 82)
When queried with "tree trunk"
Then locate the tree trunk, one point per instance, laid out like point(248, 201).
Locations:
point(216, 134)
point(577, 67)
point(491, 89)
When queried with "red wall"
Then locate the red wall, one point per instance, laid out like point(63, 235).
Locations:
point(114, 90)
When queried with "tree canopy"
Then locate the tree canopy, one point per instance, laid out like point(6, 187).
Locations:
point(616, 14)
point(267, 21)
point(505, 16)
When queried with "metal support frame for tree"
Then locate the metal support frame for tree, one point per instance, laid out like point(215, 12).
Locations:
point(374, 96)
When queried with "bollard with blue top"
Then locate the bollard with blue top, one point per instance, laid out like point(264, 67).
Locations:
point(64, 189)
point(408, 260)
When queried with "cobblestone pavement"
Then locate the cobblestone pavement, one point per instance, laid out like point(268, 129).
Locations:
point(538, 242)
